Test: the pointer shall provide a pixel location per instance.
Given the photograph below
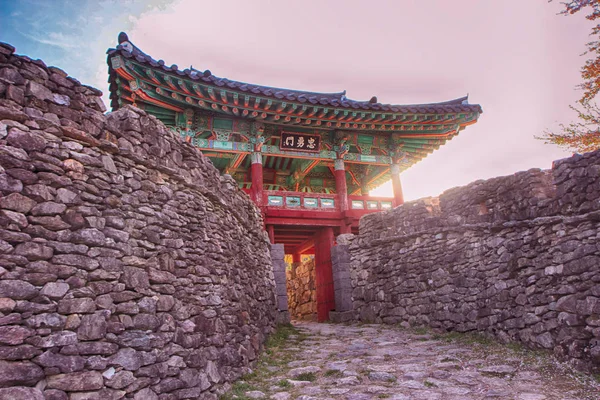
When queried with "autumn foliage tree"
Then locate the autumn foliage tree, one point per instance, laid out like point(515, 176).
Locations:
point(584, 134)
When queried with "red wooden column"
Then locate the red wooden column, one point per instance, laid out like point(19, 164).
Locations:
point(256, 172)
point(342, 191)
point(396, 184)
point(324, 240)
point(340, 184)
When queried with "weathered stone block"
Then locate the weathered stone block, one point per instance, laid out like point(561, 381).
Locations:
point(65, 364)
point(29, 141)
point(38, 91)
point(19, 373)
point(14, 334)
point(21, 393)
point(34, 251)
point(17, 202)
point(127, 358)
point(80, 306)
point(76, 381)
point(55, 290)
point(92, 327)
point(17, 290)
point(282, 303)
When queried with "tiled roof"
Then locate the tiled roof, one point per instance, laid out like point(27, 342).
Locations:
point(338, 100)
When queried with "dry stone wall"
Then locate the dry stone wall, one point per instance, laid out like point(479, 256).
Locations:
point(301, 290)
point(129, 268)
point(517, 257)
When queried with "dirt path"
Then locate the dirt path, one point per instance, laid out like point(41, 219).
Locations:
point(362, 362)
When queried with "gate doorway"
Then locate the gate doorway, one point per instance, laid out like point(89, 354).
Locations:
point(309, 277)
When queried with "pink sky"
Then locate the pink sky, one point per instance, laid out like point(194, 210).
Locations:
point(518, 59)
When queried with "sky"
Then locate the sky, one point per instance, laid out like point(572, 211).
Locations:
point(519, 59)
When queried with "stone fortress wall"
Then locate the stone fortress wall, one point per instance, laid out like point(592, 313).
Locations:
point(517, 257)
point(128, 266)
point(302, 290)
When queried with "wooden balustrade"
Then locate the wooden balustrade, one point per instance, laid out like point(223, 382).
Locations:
point(323, 201)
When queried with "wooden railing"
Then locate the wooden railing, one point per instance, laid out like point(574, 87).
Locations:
point(370, 203)
point(301, 200)
point(323, 201)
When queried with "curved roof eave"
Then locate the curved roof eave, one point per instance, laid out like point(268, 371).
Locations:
point(127, 49)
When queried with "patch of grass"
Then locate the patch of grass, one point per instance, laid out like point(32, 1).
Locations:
point(516, 347)
point(429, 384)
point(273, 355)
point(238, 391)
point(241, 387)
point(448, 337)
point(333, 372)
point(281, 335)
point(383, 396)
point(421, 330)
point(284, 383)
point(468, 338)
point(307, 376)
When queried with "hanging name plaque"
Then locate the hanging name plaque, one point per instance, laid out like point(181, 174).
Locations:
point(300, 142)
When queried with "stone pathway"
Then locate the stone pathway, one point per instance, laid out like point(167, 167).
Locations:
point(362, 362)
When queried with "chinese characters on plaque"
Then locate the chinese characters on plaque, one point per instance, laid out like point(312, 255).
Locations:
point(300, 142)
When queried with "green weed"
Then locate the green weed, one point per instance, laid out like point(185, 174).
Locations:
point(333, 372)
point(284, 383)
point(307, 376)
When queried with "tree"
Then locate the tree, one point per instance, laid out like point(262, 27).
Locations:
point(581, 136)
point(584, 135)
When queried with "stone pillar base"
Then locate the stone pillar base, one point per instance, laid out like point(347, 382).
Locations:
point(283, 317)
point(278, 259)
point(337, 317)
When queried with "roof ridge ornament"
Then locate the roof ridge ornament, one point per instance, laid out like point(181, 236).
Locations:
point(123, 37)
point(124, 42)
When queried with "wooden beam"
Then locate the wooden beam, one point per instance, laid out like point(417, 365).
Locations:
point(299, 173)
point(305, 246)
point(376, 175)
point(303, 221)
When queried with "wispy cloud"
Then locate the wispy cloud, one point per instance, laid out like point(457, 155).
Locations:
point(53, 39)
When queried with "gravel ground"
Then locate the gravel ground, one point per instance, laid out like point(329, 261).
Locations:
point(362, 362)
